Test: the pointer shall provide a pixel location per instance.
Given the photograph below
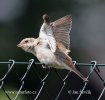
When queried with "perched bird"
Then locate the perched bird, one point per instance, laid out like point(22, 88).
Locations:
point(52, 46)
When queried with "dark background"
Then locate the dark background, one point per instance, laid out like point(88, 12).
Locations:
point(22, 18)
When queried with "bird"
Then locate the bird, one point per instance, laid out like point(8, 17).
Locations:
point(52, 46)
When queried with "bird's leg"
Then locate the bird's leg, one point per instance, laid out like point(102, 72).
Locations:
point(44, 66)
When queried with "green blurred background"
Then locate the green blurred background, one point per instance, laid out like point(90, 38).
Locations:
point(23, 18)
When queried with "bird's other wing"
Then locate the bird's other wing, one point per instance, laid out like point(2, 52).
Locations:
point(46, 36)
point(61, 30)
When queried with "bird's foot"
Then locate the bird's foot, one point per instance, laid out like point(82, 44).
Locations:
point(44, 66)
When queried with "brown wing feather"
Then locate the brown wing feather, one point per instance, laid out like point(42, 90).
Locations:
point(62, 48)
point(61, 29)
point(62, 57)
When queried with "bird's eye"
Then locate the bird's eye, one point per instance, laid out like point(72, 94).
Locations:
point(26, 41)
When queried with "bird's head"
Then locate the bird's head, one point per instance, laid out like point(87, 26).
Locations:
point(28, 44)
point(46, 18)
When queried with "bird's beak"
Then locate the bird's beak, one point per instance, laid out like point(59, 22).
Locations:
point(19, 45)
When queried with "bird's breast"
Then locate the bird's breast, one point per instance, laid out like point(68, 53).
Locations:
point(44, 54)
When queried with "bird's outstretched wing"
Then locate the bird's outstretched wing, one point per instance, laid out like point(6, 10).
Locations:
point(56, 34)
point(46, 36)
point(61, 30)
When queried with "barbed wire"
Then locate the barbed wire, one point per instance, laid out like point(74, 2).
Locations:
point(94, 67)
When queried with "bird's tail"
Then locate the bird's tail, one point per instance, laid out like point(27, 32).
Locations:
point(72, 67)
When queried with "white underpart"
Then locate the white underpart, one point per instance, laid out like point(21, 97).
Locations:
point(44, 54)
point(47, 57)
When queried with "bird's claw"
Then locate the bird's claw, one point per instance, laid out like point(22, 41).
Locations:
point(44, 66)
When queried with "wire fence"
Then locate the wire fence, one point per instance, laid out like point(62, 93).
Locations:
point(63, 87)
